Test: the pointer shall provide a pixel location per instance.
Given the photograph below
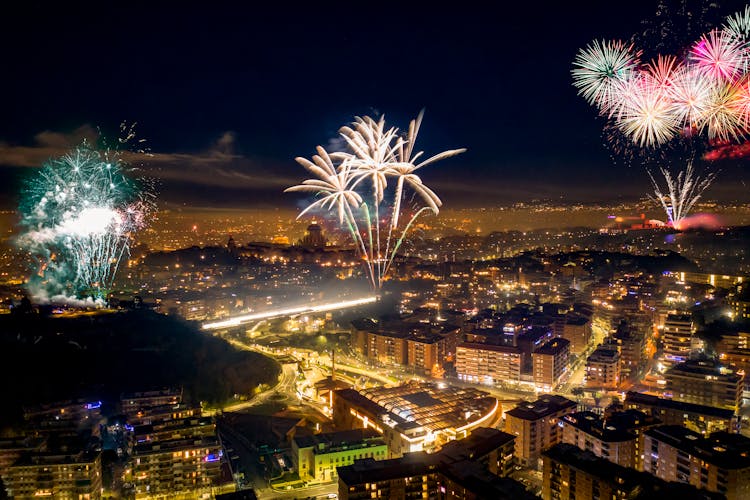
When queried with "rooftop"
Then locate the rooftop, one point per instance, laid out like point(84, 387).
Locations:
point(554, 346)
point(479, 443)
point(368, 470)
point(703, 367)
point(332, 441)
point(419, 404)
point(636, 484)
point(647, 399)
point(542, 407)
point(604, 353)
point(616, 428)
point(723, 449)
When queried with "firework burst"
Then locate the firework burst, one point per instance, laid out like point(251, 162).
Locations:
point(706, 92)
point(79, 213)
point(681, 194)
point(600, 70)
point(354, 185)
point(646, 114)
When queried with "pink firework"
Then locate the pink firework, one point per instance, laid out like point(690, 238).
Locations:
point(719, 55)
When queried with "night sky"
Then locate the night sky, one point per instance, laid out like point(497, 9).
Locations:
point(227, 95)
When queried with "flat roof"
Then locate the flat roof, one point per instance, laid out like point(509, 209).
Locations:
point(554, 346)
point(542, 407)
point(649, 400)
point(334, 440)
point(723, 449)
point(619, 427)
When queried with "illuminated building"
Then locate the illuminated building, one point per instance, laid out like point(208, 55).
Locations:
point(603, 367)
point(316, 457)
point(12, 449)
point(615, 437)
point(182, 458)
point(56, 475)
point(414, 416)
point(47, 418)
point(537, 426)
point(631, 345)
point(717, 280)
point(698, 418)
point(550, 362)
point(705, 382)
point(575, 474)
point(577, 330)
point(135, 402)
point(487, 364)
point(422, 347)
point(739, 303)
point(719, 462)
point(410, 476)
point(677, 338)
point(492, 448)
point(470, 468)
point(313, 237)
point(529, 341)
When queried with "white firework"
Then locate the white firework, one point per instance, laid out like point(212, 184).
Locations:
point(682, 192)
point(601, 68)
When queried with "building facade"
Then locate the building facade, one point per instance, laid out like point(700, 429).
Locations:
point(77, 476)
point(719, 463)
point(537, 426)
point(603, 367)
point(487, 364)
point(705, 382)
point(550, 362)
point(316, 457)
point(677, 338)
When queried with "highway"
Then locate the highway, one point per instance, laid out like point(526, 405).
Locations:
point(289, 311)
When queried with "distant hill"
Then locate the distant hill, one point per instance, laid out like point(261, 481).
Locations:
point(101, 355)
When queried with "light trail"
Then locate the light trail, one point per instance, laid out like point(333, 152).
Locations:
point(238, 320)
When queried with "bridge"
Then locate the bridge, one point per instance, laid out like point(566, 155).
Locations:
point(290, 311)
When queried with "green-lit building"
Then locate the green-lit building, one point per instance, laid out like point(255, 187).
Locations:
point(317, 457)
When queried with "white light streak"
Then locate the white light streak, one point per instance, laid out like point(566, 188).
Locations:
point(331, 306)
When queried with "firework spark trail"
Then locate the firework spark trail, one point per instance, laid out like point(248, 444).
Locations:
point(601, 68)
point(375, 153)
point(79, 213)
point(681, 194)
point(706, 92)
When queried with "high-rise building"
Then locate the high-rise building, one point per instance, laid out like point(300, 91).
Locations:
point(550, 362)
point(487, 364)
point(179, 457)
point(705, 382)
point(720, 462)
point(537, 426)
point(631, 345)
point(466, 469)
point(677, 338)
point(574, 474)
point(577, 330)
point(56, 475)
point(739, 303)
point(603, 367)
point(615, 437)
point(699, 418)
